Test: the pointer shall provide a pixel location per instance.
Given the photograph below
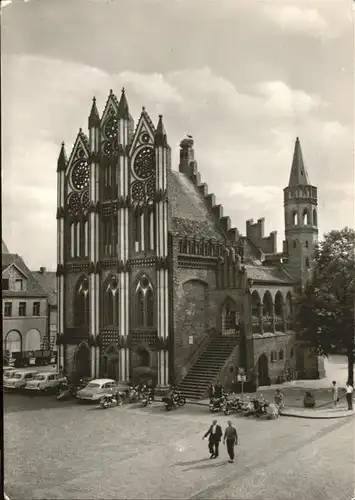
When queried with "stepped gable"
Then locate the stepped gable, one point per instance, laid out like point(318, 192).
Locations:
point(193, 209)
point(33, 287)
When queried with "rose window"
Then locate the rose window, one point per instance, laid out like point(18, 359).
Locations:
point(74, 204)
point(80, 175)
point(144, 163)
point(151, 188)
point(85, 199)
point(138, 191)
point(110, 128)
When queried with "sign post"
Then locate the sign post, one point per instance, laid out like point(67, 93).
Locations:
point(242, 378)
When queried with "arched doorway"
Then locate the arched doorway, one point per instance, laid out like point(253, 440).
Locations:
point(13, 341)
point(143, 357)
point(111, 363)
point(82, 368)
point(263, 370)
point(32, 340)
point(229, 318)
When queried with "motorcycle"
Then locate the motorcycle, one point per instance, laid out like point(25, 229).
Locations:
point(66, 390)
point(147, 398)
point(110, 400)
point(232, 406)
point(177, 400)
point(133, 395)
point(217, 404)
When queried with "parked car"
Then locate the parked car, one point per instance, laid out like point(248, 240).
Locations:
point(7, 370)
point(45, 382)
point(96, 388)
point(18, 379)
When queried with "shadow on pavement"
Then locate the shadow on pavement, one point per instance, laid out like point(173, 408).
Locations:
point(191, 462)
point(211, 465)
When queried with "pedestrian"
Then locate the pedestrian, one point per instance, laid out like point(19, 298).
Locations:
point(231, 439)
point(211, 391)
point(349, 395)
point(279, 399)
point(218, 390)
point(335, 397)
point(214, 434)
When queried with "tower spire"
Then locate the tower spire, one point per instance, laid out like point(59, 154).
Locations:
point(94, 117)
point(123, 110)
point(160, 134)
point(62, 159)
point(298, 175)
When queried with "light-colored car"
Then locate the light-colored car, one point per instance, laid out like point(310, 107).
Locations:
point(96, 389)
point(7, 371)
point(45, 382)
point(18, 379)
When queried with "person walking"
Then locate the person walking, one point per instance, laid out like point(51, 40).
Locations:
point(214, 434)
point(349, 395)
point(231, 440)
point(335, 397)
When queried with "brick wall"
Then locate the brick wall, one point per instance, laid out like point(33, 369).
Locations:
point(266, 345)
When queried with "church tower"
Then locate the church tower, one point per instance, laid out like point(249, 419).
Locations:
point(301, 219)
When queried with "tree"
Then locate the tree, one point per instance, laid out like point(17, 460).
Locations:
point(326, 307)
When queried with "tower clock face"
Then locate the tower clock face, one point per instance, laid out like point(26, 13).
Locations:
point(80, 175)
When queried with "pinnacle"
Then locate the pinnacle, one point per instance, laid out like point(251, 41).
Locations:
point(62, 159)
point(160, 134)
point(123, 110)
point(94, 117)
point(298, 175)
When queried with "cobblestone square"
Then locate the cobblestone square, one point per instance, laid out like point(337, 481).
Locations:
point(69, 451)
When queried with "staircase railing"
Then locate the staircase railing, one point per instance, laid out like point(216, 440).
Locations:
point(195, 354)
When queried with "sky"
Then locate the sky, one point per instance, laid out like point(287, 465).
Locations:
point(244, 78)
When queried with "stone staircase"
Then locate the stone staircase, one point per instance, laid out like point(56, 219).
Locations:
point(208, 366)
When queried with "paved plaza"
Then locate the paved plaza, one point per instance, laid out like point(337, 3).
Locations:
point(68, 451)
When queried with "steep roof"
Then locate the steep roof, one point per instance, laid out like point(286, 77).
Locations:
point(33, 287)
point(4, 248)
point(189, 212)
point(298, 175)
point(270, 274)
point(48, 281)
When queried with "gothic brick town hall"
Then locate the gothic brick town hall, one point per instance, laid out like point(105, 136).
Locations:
point(152, 278)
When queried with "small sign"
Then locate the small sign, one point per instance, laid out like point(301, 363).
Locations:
point(242, 378)
point(191, 339)
point(241, 371)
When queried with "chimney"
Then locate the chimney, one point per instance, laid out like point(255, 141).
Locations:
point(42, 270)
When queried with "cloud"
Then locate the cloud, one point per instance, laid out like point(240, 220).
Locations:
point(305, 20)
point(243, 138)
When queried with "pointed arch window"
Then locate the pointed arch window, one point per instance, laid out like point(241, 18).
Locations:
point(111, 303)
point(305, 217)
point(81, 303)
point(137, 230)
point(151, 228)
point(144, 303)
point(86, 238)
point(107, 235)
point(107, 181)
point(115, 235)
point(72, 239)
point(294, 218)
point(77, 239)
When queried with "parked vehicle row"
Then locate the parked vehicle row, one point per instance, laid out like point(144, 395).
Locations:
point(258, 406)
point(31, 380)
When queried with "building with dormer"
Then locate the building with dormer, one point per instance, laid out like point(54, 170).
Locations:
point(151, 275)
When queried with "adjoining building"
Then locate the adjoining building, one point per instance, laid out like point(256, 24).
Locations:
point(48, 281)
point(151, 275)
point(25, 309)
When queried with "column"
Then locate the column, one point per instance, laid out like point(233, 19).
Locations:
point(162, 255)
point(260, 311)
point(62, 162)
point(94, 278)
point(123, 255)
point(273, 326)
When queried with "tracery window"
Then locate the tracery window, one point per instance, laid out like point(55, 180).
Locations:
point(111, 303)
point(81, 303)
point(144, 303)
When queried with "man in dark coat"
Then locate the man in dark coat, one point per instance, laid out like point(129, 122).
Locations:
point(218, 390)
point(214, 434)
